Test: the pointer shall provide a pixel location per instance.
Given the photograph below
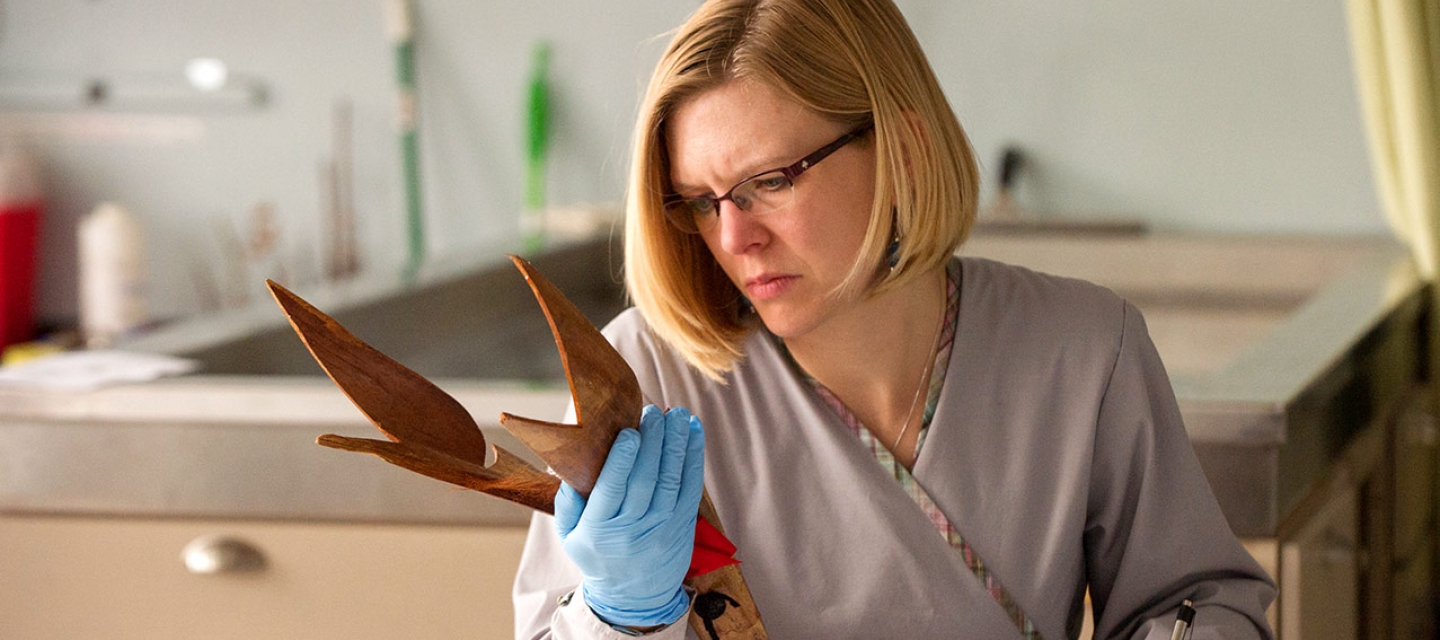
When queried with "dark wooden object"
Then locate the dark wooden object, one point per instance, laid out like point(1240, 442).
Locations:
point(432, 434)
point(607, 396)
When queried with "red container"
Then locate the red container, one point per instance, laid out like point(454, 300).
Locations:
point(19, 233)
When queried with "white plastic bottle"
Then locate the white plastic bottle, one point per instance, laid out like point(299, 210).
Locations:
point(112, 275)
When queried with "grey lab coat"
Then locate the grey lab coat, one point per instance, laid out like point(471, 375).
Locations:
point(1056, 449)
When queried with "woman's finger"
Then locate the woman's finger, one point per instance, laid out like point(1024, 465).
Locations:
point(569, 504)
point(692, 482)
point(610, 487)
point(647, 464)
point(672, 462)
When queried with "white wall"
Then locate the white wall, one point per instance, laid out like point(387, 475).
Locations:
point(1230, 115)
point(1223, 115)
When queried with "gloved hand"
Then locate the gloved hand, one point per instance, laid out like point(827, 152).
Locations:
point(633, 538)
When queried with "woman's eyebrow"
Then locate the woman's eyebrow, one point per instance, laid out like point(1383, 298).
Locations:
point(681, 187)
point(752, 169)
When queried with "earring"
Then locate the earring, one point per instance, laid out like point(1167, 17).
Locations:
point(893, 252)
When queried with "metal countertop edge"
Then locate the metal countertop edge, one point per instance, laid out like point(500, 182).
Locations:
point(1248, 401)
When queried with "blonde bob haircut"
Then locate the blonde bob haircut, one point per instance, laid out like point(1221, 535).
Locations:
point(851, 61)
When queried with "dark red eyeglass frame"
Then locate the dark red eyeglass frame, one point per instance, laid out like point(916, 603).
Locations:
point(791, 172)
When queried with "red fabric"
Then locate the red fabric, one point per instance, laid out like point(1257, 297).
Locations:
point(19, 235)
point(712, 550)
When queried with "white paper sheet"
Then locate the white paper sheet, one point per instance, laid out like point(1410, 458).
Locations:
point(89, 370)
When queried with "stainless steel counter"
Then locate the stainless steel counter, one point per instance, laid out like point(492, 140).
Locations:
point(237, 440)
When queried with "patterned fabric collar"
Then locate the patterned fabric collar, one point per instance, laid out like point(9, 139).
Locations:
point(902, 475)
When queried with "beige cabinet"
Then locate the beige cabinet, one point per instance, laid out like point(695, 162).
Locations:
point(121, 579)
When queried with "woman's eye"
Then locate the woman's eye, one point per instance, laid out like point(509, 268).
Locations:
point(702, 206)
point(771, 183)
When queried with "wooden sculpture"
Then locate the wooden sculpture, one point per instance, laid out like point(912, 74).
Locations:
point(432, 434)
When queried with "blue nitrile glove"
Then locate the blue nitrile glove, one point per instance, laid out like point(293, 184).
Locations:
point(633, 539)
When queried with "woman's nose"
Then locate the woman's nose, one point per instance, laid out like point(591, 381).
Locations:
point(739, 231)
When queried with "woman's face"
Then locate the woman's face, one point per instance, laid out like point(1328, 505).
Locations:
point(787, 262)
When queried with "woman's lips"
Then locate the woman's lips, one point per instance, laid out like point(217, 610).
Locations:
point(767, 287)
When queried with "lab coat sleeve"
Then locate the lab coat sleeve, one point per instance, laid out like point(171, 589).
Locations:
point(548, 604)
point(1154, 532)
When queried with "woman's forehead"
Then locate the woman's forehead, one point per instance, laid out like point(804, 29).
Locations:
point(738, 129)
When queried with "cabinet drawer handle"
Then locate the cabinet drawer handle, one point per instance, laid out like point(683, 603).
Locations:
point(219, 554)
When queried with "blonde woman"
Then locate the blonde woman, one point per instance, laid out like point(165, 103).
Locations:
point(902, 443)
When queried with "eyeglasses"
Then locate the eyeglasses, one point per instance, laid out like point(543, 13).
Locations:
point(759, 194)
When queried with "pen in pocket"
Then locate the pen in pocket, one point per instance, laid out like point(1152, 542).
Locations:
point(1183, 621)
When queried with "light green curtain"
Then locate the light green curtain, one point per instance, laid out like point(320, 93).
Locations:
point(1396, 46)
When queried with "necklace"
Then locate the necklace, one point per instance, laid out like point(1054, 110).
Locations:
point(925, 372)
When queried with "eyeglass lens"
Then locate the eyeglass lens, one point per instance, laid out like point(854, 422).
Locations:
point(757, 196)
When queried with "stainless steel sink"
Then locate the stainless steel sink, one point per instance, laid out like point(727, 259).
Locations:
point(479, 322)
